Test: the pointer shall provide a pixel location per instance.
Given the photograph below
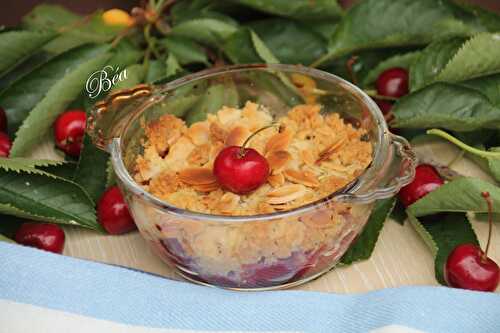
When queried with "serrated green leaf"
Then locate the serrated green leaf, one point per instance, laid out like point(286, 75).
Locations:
point(205, 30)
point(479, 56)
point(40, 197)
point(24, 94)
point(172, 65)
point(488, 86)
point(186, 51)
point(26, 164)
point(486, 18)
point(444, 232)
point(297, 9)
point(5, 239)
point(448, 106)
point(390, 23)
point(90, 172)
point(365, 243)
point(460, 195)
point(75, 30)
point(431, 62)
point(262, 49)
point(398, 214)
point(291, 42)
point(132, 76)
point(398, 60)
point(239, 48)
point(16, 46)
point(65, 90)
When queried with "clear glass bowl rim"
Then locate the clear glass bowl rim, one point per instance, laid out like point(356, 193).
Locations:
point(380, 152)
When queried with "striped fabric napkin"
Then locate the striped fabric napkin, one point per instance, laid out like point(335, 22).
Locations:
point(43, 292)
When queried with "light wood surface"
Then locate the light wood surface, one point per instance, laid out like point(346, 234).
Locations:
point(400, 257)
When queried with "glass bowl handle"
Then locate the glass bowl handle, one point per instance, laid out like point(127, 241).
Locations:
point(399, 172)
point(109, 117)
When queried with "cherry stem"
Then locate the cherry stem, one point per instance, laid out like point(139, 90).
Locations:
point(349, 64)
point(487, 198)
point(464, 146)
point(243, 146)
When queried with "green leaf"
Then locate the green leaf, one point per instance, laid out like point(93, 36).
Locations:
point(431, 62)
point(156, 70)
point(446, 105)
point(5, 239)
point(110, 174)
point(16, 46)
point(24, 94)
point(488, 19)
point(444, 232)
point(488, 86)
point(479, 56)
point(459, 195)
point(398, 60)
point(75, 30)
point(297, 9)
point(26, 164)
point(291, 42)
point(207, 31)
point(45, 197)
point(173, 66)
point(239, 48)
point(387, 23)
point(398, 214)
point(133, 75)
point(262, 50)
point(41, 118)
point(90, 172)
point(186, 51)
point(365, 243)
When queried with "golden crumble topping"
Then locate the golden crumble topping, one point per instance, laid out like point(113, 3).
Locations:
point(310, 156)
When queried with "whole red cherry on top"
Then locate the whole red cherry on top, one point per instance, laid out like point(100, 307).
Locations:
point(69, 129)
point(43, 236)
point(5, 145)
point(427, 179)
point(239, 169)
point(468, 267)
point(393, 82)
point(113, 213)
point(3, 120)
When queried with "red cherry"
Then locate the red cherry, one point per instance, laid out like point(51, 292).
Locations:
point(385, 106)
point(427, 179)
point(113, 213)
point(69, 129)
point(393, 82)
point(43, 236)
point(3, 120)
point(468, 268)
point(240, 170)
point(5, 145)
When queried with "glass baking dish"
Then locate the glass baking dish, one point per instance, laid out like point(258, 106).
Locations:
point(258, 252)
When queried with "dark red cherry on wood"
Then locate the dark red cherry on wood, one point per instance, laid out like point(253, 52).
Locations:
point(240, 170)
point(3, 120)
point(468, 268)
point(113, 213)
point(393, 82)
point(5, 145)
point(427, 179)
point(69, 129)
point(43, 236)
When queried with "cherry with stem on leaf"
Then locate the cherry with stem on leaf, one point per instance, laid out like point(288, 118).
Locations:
point(468, 267)
point(240, 169)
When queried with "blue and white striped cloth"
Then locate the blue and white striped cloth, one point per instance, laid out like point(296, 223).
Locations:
point(41, 292)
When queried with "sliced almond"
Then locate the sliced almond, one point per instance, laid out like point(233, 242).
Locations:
point(276, 180)
point(306, 178)
point(285, 194)
point(237, 136)
point(197, 176)
point(199, 133)
point(307, 157)
point(200, 155)
point(279, 141)
point(326, 153)
point(217, 132)
point(206, 187)
point(278, 159)
point(228, 203)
